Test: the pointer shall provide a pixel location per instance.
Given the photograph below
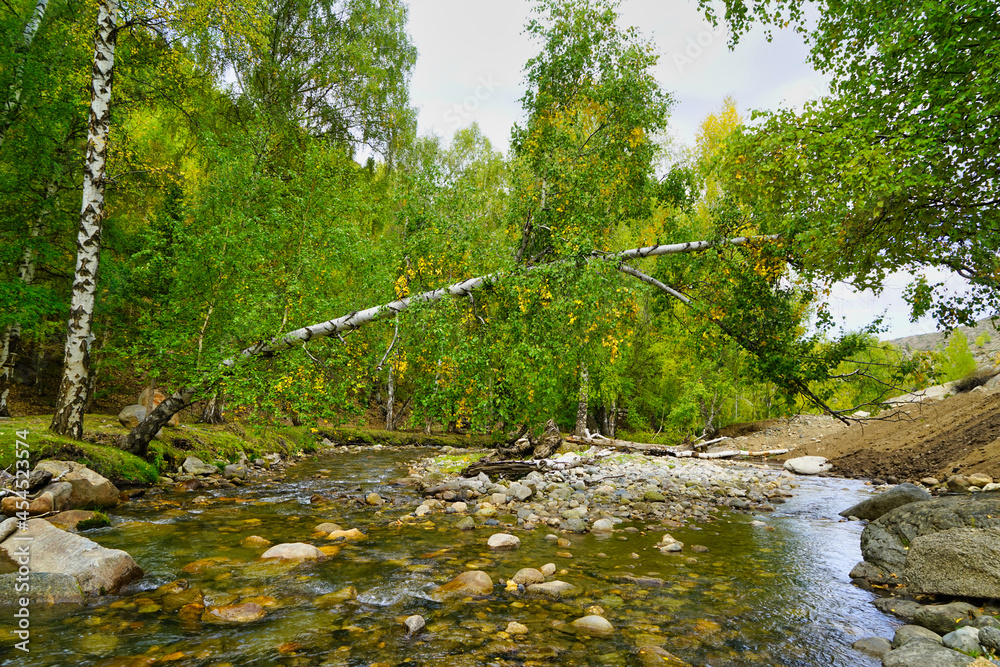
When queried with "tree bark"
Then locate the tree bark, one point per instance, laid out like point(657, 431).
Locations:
point(214, 411)
point(581, 406)
point(68, 419)
point(138, 439)
point(14, 95)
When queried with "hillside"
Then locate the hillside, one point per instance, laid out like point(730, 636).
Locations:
point(987, 352)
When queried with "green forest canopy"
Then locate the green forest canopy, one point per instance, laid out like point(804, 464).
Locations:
point(237, 212)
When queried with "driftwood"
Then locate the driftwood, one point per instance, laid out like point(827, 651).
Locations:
point(667, 450)
point(504, 469)
point(660, 450)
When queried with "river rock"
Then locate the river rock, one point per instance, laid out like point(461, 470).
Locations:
point(90, 490)
point(943, 618)
point(873, 646)
point(503, 541)
point(980, 479)
point(194, 466)
point(905, 633)
point(554, 590)
point(471, 583)
point(414, 624)
point(466, 523)
point(898, 607)
point(374, 499)
point(886, 540)
point(964, 562)
point(46, 588)
point(593, 626)
point(989, 637)
point(548, 569)
point(515, 628)
point(602, 527)
point(520, 491)
point(958, 484)
point(235, 471)
point(255, 542)
point(921, 652)
point(351, 535)
point(337, 597)
point(873, 508)
point(131, 415)
point(964, 639)
point(98, 570)
point(293, 551)
point(527, 576)
point(247, 612)
point(807, 465)
point(70, 518)
point(327, 527)
point(53, 498)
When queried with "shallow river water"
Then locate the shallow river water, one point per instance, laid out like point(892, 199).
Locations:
point(756, 597)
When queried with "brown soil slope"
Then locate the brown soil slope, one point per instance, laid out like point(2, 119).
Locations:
point(960, 434)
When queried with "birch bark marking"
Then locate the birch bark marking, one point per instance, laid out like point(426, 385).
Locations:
point(68, 419)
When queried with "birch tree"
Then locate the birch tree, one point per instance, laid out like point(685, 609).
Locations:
point(13, 98)
point(68, 418)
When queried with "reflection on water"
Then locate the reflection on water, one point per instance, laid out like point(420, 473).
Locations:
point(756, 597)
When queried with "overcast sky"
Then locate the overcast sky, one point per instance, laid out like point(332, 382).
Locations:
point(472, 52)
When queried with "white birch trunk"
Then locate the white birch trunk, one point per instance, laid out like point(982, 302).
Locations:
point(138, 439)
point(14, 95)
point(68, 419)
point(581, 406)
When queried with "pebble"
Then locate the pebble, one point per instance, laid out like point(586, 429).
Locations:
point(503, 541)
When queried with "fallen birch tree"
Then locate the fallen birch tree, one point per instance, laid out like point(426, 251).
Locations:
point(137, 440)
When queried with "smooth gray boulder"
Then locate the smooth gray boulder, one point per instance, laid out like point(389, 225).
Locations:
point(876, 506)
point(989, 637)
point(873, 646)
point(131, 415)
point(919, 652)
point(943, 618)
point(807, 465)
point(194, 466)
point(964, 639)
point(964, 562)
point(905, 633)
point(97, 569)
point(886, 540)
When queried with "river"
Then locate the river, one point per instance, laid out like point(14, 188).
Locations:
point(776, 594)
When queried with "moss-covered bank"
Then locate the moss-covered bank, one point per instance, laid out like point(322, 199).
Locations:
point(99, 448)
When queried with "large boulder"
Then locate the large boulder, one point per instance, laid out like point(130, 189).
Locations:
point(807, 465)
point(920, 652)
point(194, 466)
point(874, 507)
point(98, 570)
point(886, 541)
point(131, 415)
point(963, 562)
point(90, 490)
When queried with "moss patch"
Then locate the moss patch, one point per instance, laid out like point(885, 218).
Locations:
point(356, 436)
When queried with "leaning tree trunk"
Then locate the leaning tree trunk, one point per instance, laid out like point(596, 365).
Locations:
point(68, 419)
point(14, 94)
point(138, 438)
point(581, 407)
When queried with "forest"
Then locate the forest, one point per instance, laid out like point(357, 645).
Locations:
point(230, 203)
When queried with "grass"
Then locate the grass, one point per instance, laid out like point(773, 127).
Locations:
point(100, 452)
point(452, 463)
